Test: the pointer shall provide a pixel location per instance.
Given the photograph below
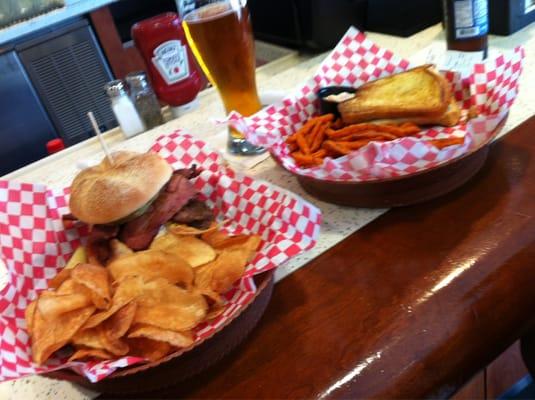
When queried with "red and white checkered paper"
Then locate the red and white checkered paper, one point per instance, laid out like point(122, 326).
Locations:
point(34, 245)
point(491, 88)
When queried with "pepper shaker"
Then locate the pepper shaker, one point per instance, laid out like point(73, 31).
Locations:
point(144, 99)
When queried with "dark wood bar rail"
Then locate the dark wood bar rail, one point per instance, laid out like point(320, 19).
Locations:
point(412, 305)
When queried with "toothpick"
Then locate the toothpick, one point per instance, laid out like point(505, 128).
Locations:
point(99, 136)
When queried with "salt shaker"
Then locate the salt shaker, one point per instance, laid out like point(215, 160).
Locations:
point(144, 99)
point(123, 108)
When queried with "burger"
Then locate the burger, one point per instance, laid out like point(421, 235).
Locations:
point(131, 198)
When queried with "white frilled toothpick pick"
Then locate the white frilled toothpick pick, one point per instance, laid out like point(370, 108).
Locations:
point(99, 136)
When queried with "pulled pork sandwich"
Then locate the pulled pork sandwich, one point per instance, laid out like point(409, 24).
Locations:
point(131, 199)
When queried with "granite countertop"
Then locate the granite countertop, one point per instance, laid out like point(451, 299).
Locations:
point(71, 9)
point(339, 222)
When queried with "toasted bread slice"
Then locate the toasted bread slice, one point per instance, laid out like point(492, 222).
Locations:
point(420, 92)
point(450, 117)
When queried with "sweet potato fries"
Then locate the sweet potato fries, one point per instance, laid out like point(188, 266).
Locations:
point(324, 136)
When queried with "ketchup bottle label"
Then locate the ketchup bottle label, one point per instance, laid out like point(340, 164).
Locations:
point(171, 61)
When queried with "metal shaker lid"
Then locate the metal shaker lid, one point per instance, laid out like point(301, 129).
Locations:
point(137, 79)
point(115, 88)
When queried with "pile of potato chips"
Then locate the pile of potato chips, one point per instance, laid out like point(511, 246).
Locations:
point(143, 304)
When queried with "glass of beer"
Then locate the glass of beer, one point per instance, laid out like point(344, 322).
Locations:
point(220, 36)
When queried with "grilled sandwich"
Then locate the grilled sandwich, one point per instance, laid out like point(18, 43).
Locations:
point(420, 95)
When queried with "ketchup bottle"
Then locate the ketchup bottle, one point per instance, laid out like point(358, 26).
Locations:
point(175, 76)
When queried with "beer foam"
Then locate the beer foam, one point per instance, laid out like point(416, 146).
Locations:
point(210, 12)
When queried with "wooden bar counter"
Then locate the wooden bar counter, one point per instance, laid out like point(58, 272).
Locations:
point(410, 306)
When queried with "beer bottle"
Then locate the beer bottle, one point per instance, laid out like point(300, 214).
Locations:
point(467, 25)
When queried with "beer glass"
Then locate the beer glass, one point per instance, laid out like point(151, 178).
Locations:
point(220, 36)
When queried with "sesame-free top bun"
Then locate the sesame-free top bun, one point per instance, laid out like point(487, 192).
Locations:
point(107, 193)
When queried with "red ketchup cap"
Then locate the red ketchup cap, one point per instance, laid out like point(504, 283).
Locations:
point(54, 145)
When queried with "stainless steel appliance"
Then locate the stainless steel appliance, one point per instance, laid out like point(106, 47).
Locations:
point(48, 83)
point(24, 125)
point(68, 72)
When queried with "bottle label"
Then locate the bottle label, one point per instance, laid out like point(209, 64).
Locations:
point(471, 18)
point(171, 60)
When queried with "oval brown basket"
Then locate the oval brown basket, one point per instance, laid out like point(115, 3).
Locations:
point(403, 190)
point(187, 362)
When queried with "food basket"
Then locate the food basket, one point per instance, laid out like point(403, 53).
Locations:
point(402, 171)
point(34, 245)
